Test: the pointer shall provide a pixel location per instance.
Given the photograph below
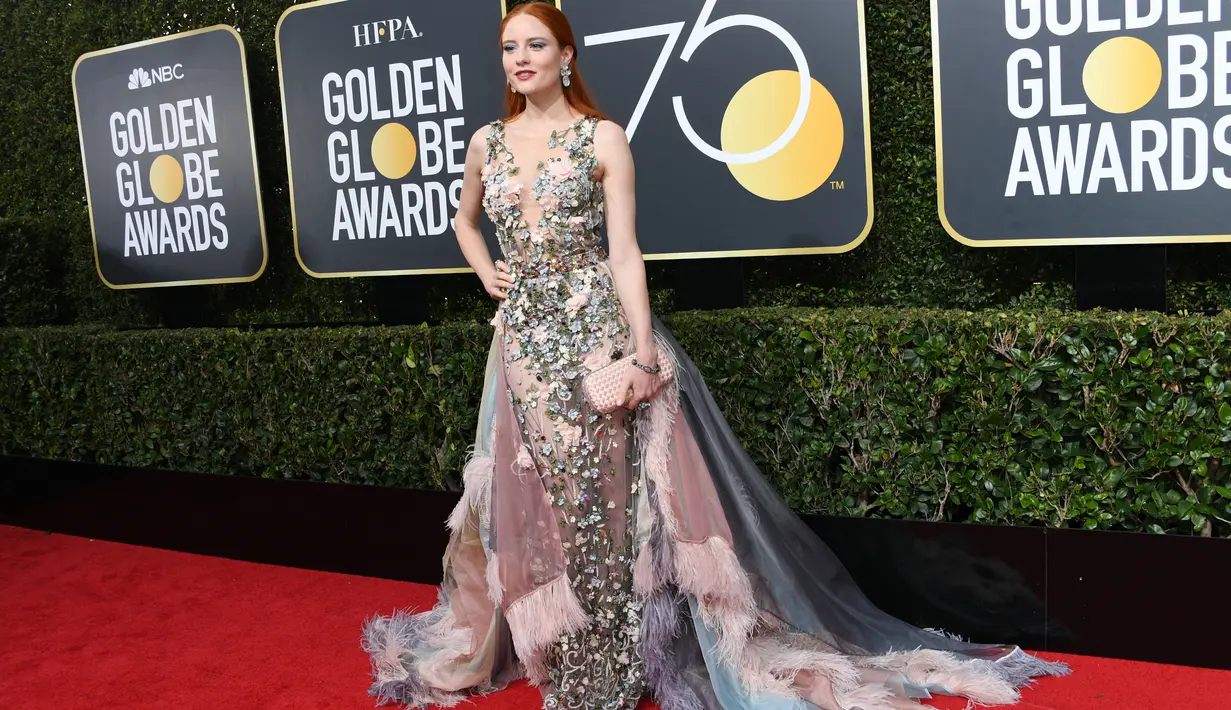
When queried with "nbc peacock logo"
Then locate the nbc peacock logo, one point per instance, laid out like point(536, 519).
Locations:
point(139, 79)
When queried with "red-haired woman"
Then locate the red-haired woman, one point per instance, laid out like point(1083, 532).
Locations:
point(613, 538)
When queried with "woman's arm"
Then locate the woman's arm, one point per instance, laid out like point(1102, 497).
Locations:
point(627, 265)
point(495, 276)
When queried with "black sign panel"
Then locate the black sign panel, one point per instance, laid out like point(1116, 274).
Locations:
point(1083, 121)
point(379, 101)
point(169, 160)
point(748, 120)
point(380, 97)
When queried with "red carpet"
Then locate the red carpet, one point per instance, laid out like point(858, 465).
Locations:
point(101, 625)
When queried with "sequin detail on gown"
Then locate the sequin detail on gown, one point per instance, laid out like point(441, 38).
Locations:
point(606, 556)
point(562, 318)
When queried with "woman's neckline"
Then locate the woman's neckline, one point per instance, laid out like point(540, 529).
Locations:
point(557, 131)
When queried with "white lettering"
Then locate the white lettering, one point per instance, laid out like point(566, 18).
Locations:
point(363, 208)
point(1025, 167)
point(1200, 152)
point(1024, 19)
point(360, 175)
point(400, 89)
point(378, 113)
point(1223, 146)
point(1032, 87)
point(170, 126)
point(450, 79)
point(412, 208)
point(1222, 68)
point(1152, 157)
point(333, 101)
point(142, 198)
point(193, 178)
point(1178, 69)
point(1134, 20)
point(427, 86)
point(216, 213)
point(1034, 18)
point(422, 86)
point(455, 200)
point(123, 183)
point(1177, 16)
point(1064, 159)
point(1063, 29)
point(1063, 153)
point(211, 173)
point(431, 157)
point(184, 231)
point(1055, 84)
point(119, 138)
point(388, 214)
point(356, 99)
point(1098, 24)
point(175, 230)
point(1107, 163)
point(455, 147)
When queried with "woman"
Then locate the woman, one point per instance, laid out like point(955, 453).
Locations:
point(605, 552)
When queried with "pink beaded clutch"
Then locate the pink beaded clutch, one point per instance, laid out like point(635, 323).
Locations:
point(602, 387)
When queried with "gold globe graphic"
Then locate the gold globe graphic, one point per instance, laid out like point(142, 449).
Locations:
point(1122, 75)
point(393, 151)
point(760, 112)
point(166, 179)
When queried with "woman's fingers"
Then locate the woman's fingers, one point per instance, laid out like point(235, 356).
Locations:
point(497, 290)
point(625, 390)
point(649, 389)
point(504, 277)
point(641, 391)
point(637, 388)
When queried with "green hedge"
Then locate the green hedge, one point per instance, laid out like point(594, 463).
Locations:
point(1092, 420)
point(907, 260)
point(33, 262)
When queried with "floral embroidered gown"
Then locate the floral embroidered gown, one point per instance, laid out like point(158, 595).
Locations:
point(609, 556)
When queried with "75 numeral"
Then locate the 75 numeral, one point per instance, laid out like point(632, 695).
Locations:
point(702, 30)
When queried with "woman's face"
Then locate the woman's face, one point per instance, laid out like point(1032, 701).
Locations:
point(532, 56)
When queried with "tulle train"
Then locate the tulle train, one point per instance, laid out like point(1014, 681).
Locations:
point(743, 606)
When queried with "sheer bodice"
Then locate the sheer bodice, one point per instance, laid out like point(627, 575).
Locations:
point(562, 313)
point(560, 216)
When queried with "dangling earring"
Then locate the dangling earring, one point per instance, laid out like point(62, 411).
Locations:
point(565, 72)
point(512, 88)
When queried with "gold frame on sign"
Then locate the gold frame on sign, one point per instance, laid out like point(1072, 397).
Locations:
point(1027, 242)
point(256, 169)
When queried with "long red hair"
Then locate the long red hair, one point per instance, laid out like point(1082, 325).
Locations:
point(575, 93)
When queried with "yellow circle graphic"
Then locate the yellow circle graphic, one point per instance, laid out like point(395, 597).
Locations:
point(760, 112)
point(1122, 74)
point(393, 151)
point(166, 178)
